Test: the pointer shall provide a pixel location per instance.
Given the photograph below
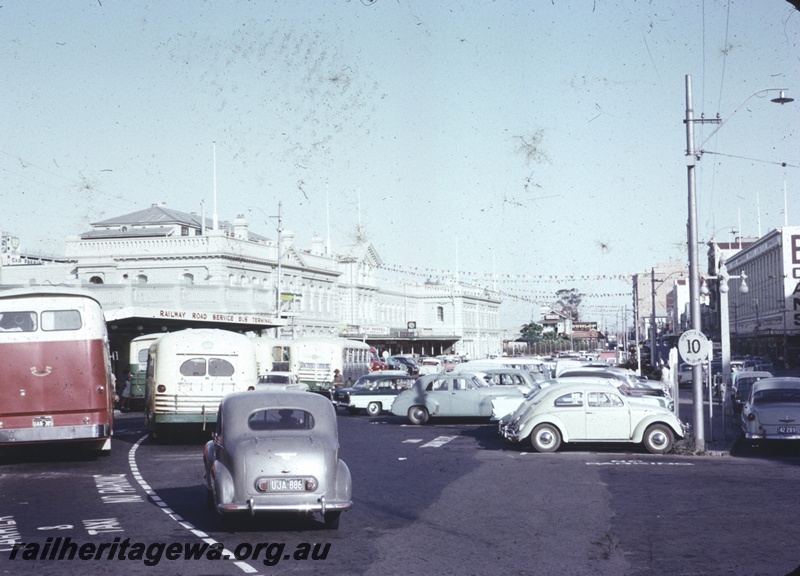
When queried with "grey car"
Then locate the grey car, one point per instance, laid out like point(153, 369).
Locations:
point(277, 451)
point(452, 394)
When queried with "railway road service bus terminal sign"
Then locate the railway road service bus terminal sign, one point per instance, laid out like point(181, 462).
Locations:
point(694, 347)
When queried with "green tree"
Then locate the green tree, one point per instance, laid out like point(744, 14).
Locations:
point(532, 332)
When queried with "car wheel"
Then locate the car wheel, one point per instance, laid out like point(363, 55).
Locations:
point(332, 520)
point(658, 439)
point(353, 410)
point(418, 415)
point(545, 438)
point(374, 408)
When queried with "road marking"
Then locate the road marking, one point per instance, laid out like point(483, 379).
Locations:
point(412, 441)
point(638, 463)
point(440, 441)
point(244, 567)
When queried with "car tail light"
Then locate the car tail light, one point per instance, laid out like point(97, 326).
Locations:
point(751, 417)
point(161, 388)
point(311, 485)
point(251, 387)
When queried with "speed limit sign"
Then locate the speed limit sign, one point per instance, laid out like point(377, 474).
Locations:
point(694, 347)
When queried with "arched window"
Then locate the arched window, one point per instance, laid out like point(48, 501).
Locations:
point(141, 279)
point(440, 313)
point(95, 280)
point(187, 278)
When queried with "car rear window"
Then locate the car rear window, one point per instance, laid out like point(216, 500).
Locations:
point(281, 419)
point(778, 396)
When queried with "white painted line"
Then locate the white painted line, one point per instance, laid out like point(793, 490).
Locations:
point(244, 567)
point(412, 441)
point(440, 441)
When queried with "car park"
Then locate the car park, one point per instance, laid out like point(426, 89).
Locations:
point(741, 382)
point(374, 392)
point(590, 409)
point(462, 394)
point(772, 410)
point(276, 451)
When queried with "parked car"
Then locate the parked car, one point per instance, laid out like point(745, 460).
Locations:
point(522, 379)
point(741, 382)
point(374, 392)
point(431, 366)
point(406, 363)
point(280, 381)
point(772, 410)
point(276, 451)
point(590, 410)
point(461, 394)
point(628, 382)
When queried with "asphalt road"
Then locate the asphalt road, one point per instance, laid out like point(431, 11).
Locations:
point(446, 498)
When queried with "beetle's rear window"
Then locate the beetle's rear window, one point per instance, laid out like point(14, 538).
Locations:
point(281, 419)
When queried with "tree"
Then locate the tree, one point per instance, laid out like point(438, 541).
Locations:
point(532, 332)
point(569, 302)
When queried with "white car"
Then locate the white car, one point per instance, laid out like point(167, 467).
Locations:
point(590, 410)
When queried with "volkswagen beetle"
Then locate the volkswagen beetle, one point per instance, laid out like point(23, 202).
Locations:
point(277, 451)
point(585, 409)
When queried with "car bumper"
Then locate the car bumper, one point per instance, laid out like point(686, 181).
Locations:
point(321, 505)
point(767, 436)
point(508, 432)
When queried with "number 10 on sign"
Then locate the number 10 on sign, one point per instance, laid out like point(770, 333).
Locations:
point(694, 347)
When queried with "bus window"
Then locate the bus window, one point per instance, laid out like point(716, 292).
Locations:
point(194, 367)
point(220, 367)
point(18, 321)
point(61, 320)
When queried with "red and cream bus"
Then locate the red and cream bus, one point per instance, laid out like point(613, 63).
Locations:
point(55, 378)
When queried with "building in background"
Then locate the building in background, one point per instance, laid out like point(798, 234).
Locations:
point(159, 269)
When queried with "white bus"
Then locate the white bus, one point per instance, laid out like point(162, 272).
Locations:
point(313, 359)
point(272, 354)
point(55, 372)
point(137, 361)
point(188, 373)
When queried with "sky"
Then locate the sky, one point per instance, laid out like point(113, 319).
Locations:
point(527, 146)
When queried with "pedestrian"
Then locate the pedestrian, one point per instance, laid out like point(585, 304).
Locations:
point(127, 380)
point(666, 378)
point(338, 379)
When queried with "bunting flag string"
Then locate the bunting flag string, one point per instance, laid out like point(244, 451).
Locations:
point(502, 278)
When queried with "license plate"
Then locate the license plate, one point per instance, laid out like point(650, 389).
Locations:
point(287, 485)
point(787, 429)
point(42, 422)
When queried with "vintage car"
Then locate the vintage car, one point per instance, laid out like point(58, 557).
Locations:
point(772, 410)
point(741, 382)
point(628, 382)
point(280, 381)
point(451, 394)
point(373, 392)
point(522, 379)
point(587, 409)
point(276, 451)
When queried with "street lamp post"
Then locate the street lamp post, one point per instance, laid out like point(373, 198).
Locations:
point(724, 278)
point(692, 158)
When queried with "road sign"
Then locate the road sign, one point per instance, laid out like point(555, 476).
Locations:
point(694, 347)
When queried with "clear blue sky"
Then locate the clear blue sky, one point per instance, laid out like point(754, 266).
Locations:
point(530, 139)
